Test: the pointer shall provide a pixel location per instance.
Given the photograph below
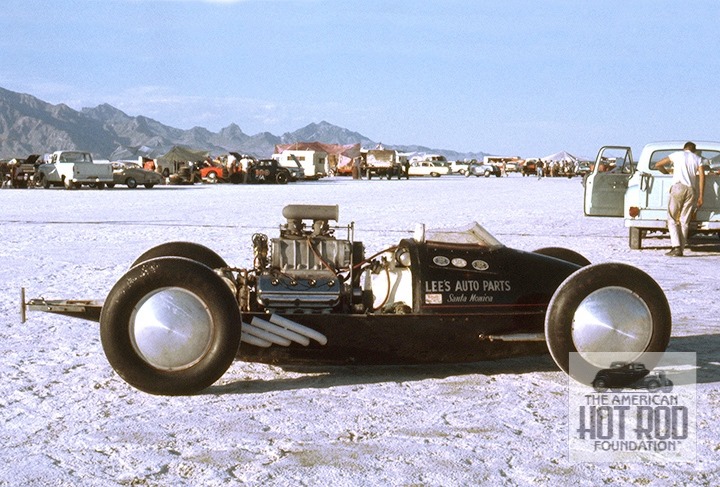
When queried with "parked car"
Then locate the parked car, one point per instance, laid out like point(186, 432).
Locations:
point(529, 167)
point(130, 175)
point(459, 167)
point(428, 168)
point(22, 171)
point(639, 191)
point(212, 172)
point(485, 170)
point(73, 169)
point(266, 171)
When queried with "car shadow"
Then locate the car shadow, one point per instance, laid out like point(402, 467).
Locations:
point(707, 360)
point(321, 377)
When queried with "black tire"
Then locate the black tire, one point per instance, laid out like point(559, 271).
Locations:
point(212, 177)
point(487, 174)
point(189, 250)
point(653, 386)
point(99, 185)
point(635, 240)
point(614, 309)
point(564, 254)
point(131, 183)
point(599, 385)
point(435, 174)
point(149, 185)
point(111, 185)
point(281, 178)
point(43, 181)
point(182, 355)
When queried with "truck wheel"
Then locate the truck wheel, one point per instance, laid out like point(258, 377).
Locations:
point(189, 250)
point(170, 326)
point(131, 183)
point(635, 238)
point(41, 181)
point(606, 312)
point(111, 185)
point(563, 254)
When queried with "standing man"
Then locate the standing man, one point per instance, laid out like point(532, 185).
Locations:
point(685, 194)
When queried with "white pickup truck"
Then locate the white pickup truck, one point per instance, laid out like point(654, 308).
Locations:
point(619, 187)
point(72, 169)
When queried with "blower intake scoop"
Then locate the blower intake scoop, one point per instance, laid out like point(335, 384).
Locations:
point(319, 214)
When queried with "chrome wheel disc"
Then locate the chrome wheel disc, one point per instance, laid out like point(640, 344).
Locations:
point(611, 319)
point(171, 328)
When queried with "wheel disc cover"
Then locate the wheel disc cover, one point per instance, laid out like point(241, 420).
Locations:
point(611, 319)
point(171, 328)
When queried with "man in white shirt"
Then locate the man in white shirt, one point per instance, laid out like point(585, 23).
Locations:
point(686, 193)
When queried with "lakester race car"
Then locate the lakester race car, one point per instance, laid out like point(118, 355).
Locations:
point(174, 323)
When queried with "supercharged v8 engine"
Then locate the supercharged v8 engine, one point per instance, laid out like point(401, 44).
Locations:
point(307, 270)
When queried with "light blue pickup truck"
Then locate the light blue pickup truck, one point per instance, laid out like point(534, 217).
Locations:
point(639, 192)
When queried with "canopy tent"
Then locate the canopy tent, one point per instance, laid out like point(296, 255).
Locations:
point(183, 154)
point(134, 152)
point(561, 156)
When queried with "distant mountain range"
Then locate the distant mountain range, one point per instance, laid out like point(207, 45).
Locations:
point(29, 125)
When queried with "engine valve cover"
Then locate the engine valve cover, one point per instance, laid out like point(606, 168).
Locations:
point(298, 295)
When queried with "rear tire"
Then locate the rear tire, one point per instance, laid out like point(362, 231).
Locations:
point(131, 183)
point(189, 250)
point(281, 178)
point(606, 312)
point(170, 326)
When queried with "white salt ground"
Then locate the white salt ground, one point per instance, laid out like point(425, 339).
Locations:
point(69, 420)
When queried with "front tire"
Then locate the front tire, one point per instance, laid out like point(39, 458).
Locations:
point(564, 254)
point(606, 313)
point(131, 183)
point(170, 326)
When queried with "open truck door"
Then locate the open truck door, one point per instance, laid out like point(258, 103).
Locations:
point(606, 185)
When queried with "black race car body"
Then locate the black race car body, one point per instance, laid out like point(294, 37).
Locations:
point(178, 318)
point(631, 375)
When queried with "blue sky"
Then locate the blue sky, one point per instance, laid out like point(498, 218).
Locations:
point(510, 77)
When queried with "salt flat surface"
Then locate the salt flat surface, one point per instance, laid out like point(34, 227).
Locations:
point(68, 419)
